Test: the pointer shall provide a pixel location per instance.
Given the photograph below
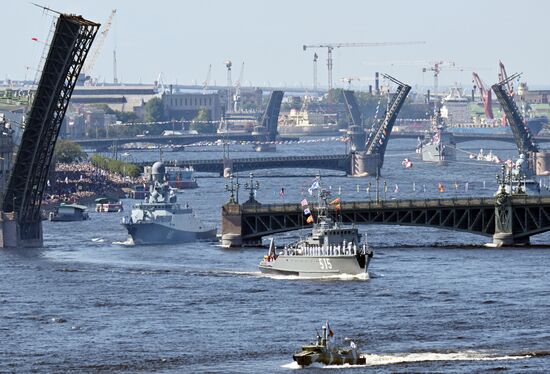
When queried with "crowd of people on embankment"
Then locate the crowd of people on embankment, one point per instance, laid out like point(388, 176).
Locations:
point(82, 183)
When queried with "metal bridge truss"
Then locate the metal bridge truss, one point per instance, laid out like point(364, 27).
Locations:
point(270, 117)
point(377, 140)
point(470, 215)
point(70, 44)
point(522, 136)
point(325, 162)
point(530, 215)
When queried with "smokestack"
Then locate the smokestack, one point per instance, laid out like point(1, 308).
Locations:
point(171, 89)
point(370, 89)
point(428, 97)
point(377, 83)
point(473, 93)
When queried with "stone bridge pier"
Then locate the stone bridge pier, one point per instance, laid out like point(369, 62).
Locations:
point(363, 164)
point(542, 163)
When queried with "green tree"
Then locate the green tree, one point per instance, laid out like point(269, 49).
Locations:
point(201, 123)
point(154, 110)
point(67, 151)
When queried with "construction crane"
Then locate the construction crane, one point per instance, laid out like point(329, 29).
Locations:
point(331, 46)
point(228, 64)
point(90, 62)
point(509, 87)
point(315, 57)
point(237, 97)
point(207, 79)
point(349, 80)
point(485, 96)
point(436, 68)
point(503, 76)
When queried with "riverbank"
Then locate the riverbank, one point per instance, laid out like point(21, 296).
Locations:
point(82, 183)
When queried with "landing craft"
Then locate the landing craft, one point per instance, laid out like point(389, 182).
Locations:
point(324, 352)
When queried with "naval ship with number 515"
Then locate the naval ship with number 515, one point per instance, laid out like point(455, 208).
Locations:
point(330, 249)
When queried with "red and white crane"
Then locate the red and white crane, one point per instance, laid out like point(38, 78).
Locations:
point(485, 96)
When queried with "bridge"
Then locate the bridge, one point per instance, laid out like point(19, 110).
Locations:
point(221, 166)
point(20, 221)
point(508, 219)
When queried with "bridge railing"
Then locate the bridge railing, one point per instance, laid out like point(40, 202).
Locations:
point(390, 204)
point(396, 204)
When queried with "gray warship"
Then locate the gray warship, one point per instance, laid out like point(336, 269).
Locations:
point(330, 249)
point(519, 179)
point(438, 145)
point(159, 219)
point(322, 351)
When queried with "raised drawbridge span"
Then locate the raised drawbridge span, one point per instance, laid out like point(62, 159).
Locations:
point(21, 221)
point(368, 155)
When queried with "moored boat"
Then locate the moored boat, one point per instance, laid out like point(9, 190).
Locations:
point(105, 205)
point(69, 212)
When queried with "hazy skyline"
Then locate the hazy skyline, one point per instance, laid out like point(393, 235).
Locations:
point(181, 39)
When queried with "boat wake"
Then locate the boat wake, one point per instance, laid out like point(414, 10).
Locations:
point(345, 277)
point(398, 358)
point(374, 359)
point(127, 243)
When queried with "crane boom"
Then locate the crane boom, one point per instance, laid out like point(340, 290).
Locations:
point(87, 69)
point(207, 80)
point(331, 46)
point(485, 96)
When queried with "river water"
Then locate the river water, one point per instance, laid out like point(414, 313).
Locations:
point(434, 301)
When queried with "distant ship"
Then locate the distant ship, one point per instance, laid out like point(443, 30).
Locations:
point(330, 249)
point(177, 177)
point(534, 124)
point(308, 122)
point(161, 220)
point(323, 352)
point(437, 146)
point(181, 178)
point(457, 111)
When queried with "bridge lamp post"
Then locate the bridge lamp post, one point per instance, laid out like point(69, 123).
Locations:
point(232, 187)
point(253, 187)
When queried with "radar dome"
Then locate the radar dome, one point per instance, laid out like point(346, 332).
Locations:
point(158, 168)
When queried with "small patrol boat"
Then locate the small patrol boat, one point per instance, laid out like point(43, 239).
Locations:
point(330, 249)
point(324, 352)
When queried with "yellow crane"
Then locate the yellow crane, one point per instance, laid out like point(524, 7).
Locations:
point(331, 46)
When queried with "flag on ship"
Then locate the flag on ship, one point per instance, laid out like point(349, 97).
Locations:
point(309, 219)
point(330, 332)
point(314, 186)
point(335, 201)
point(303, 202)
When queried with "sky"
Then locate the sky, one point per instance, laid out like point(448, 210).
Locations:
point(180, 39)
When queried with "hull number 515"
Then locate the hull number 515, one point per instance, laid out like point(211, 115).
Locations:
point(325, 264)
